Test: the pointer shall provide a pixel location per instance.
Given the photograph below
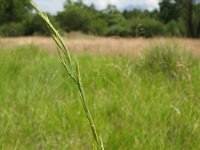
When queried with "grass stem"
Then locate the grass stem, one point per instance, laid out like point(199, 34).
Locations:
point(66, 60)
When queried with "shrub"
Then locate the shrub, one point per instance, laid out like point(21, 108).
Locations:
point(12, 29)
point(174, 28)
point(34, 25)
point(146, 27)
point(97, 26)
point(137, 27)
point(77, 17)
point(118, 30)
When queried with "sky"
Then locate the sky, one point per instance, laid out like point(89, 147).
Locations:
point(54, 6)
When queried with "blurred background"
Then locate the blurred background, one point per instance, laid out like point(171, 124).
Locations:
point(179, 18)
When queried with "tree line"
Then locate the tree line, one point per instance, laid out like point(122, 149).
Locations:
point(173, 18)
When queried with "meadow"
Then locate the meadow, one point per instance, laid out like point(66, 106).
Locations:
point(141, 96)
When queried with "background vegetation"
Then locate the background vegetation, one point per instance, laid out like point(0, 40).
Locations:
point(174, 18)
point(137, 103)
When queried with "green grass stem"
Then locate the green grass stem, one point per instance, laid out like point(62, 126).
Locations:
point(72, 70)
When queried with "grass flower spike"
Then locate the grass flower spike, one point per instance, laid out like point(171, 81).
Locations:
point(72, 69)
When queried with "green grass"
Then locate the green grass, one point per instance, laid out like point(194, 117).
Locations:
point(71, 67)
point(132, 107)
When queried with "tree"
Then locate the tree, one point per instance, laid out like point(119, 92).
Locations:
point(112, 15)
point(136, 13)
point(79, 17)
point(186, 10)
point(189, 15)
point(73, 17)
point(197, 19)
point(168, 11)
point(13, 10)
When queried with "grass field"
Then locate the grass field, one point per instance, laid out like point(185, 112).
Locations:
point(150, 102)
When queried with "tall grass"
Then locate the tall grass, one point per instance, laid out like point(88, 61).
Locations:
point(72, 69)
point(136, 109)
point(168, 59)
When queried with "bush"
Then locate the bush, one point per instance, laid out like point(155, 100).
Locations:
point(174, 28)
point(12, 29)
point(77, 17)
point(97, 26)
point(34, 25)
point(118, 30)
point(137, 27)
point(146, 27)
point(166, 59)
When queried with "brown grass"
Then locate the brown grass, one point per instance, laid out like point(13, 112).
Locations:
point(109, 45)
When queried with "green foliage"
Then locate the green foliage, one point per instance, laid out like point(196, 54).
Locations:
point(34, 25)
point(12, 29)
point(13, 10)
point(147, 27)
point(97, 26)
point(136, 13)
point(118, 30)
point(12, 16)
point(168, 11)
point(39, 109)
point(17, 20)
point(168, 60)
point(112, 15)
point(175, 28)
point(137, 27)
point(189, 13)
point(77, 16)
point(173, 18)
point(196, 21)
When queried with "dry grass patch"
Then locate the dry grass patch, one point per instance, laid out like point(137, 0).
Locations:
point(114, 45)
